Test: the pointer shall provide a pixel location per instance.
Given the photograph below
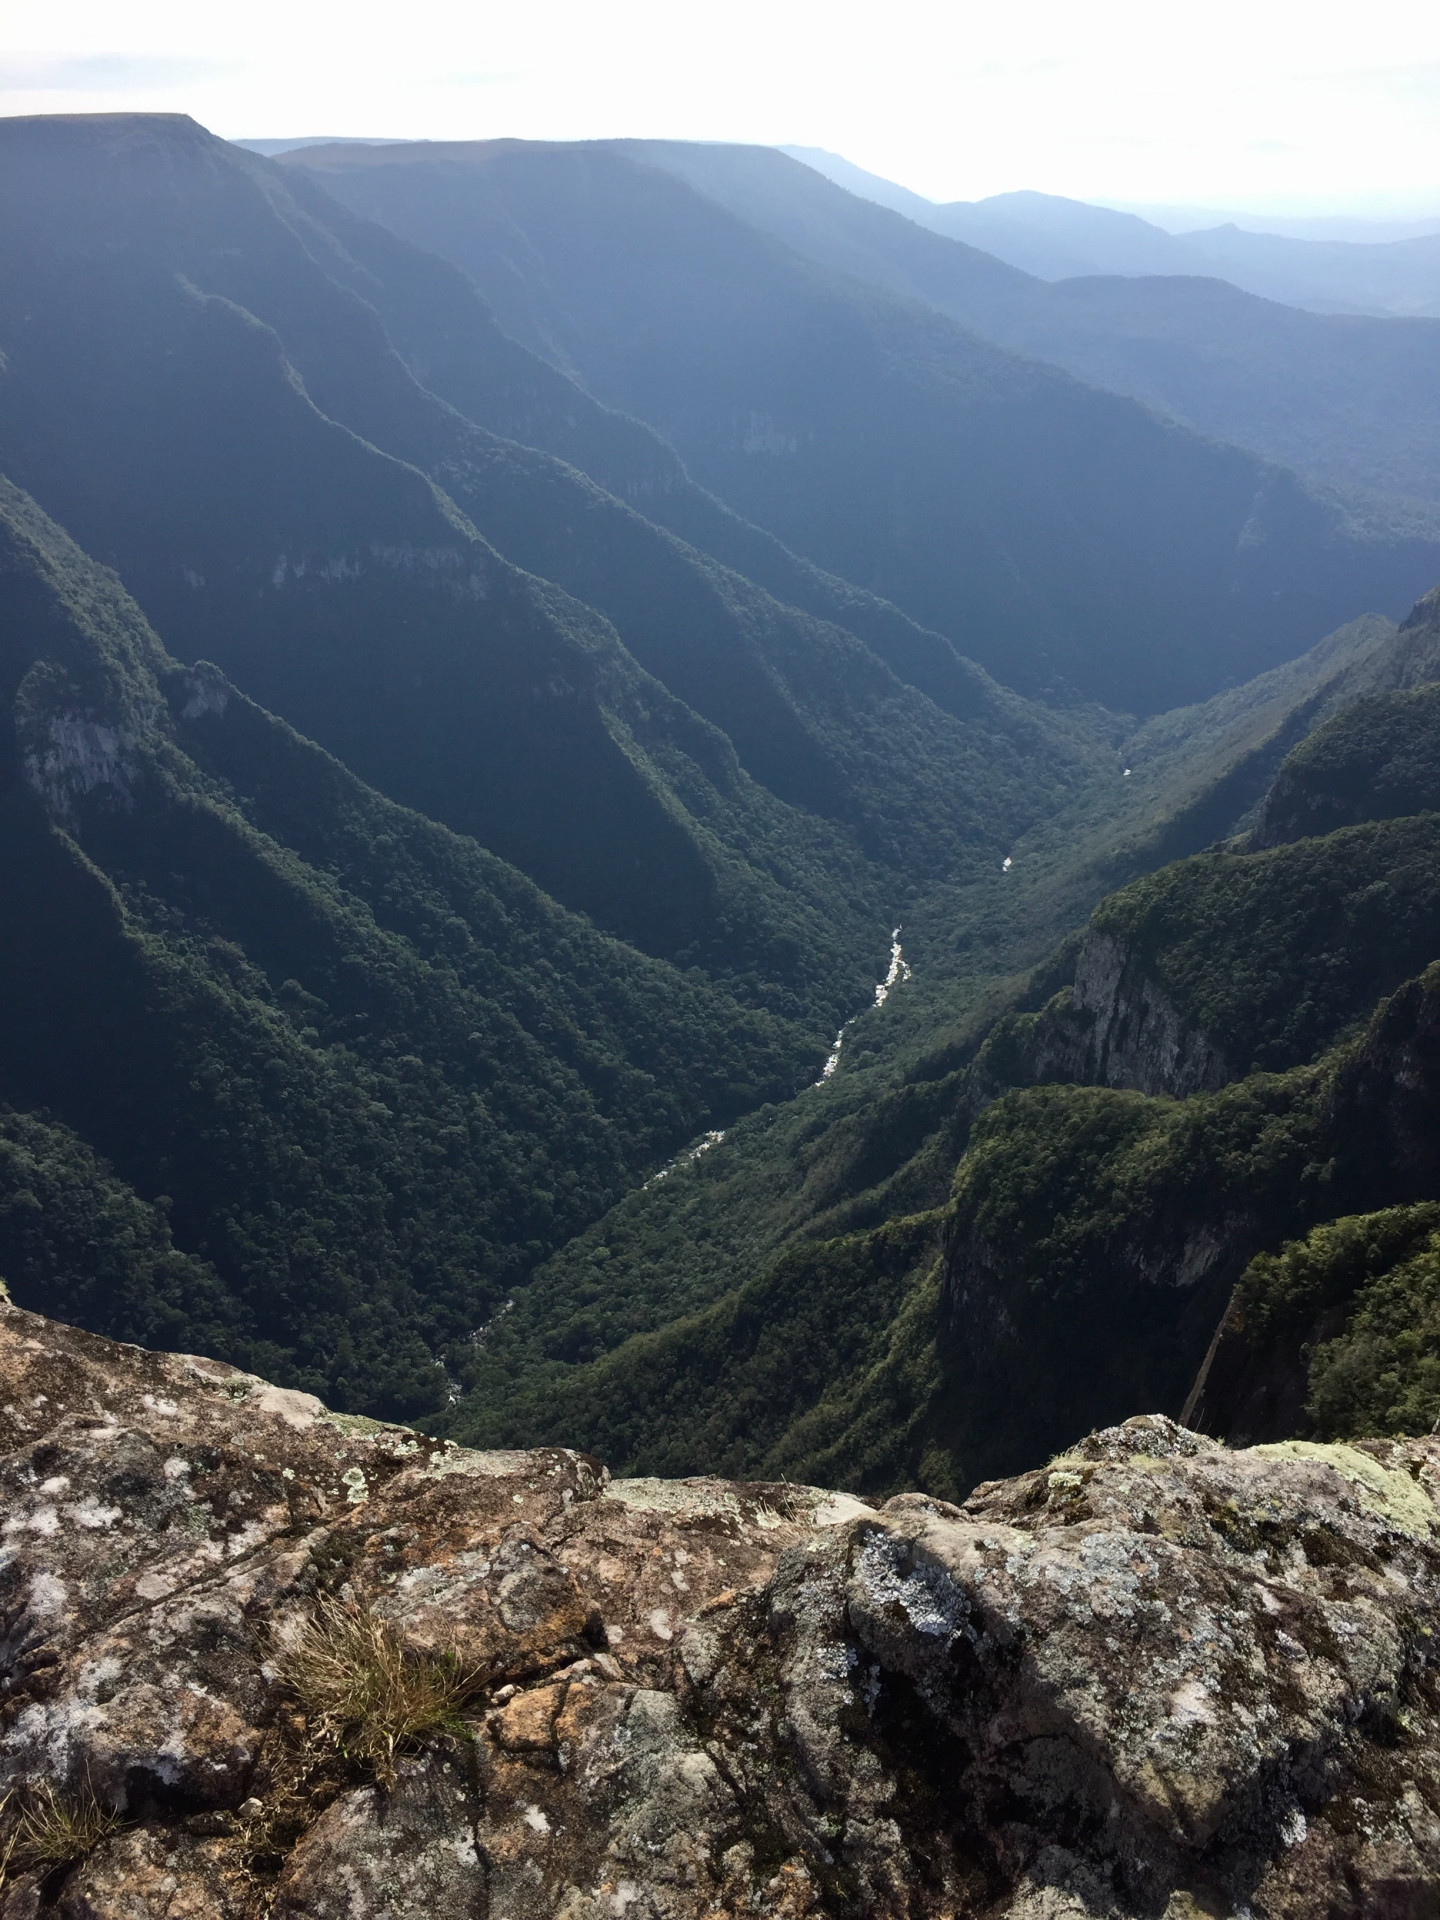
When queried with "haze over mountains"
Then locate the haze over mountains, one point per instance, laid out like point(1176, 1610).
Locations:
point(1048, 529)
point(499, 637)
point(1060, 239)
point(1239, 368)
point(1347, 400)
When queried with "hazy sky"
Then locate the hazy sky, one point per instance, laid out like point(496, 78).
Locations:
point(1283, 104)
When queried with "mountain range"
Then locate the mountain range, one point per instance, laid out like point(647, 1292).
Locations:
point(1344, 398)
point(1045, 526)
point(1055, 238)
point(646, 806)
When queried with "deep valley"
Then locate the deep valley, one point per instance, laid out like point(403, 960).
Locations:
point(656, 821)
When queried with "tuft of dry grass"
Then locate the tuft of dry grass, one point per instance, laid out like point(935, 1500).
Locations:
point(362, 1690)
point(51, 1829)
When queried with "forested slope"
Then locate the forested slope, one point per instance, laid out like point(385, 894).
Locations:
point(215, 407)
point(449, 339)
point(361, 1072)
point(1098, 1224)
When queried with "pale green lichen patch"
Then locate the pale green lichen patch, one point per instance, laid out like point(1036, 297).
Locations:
point(358, 1426)
point(1387, 1493)
point(677, 1499)
point(1073, 1465)
point(493, 1464)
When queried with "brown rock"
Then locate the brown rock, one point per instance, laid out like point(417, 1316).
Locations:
point(527, 1723)
point(149, 1874)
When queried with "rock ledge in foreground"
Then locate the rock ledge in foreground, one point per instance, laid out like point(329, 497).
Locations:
point(1157, 1678)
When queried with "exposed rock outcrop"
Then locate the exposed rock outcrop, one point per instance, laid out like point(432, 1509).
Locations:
point(1415, 657)
point(1137, 1038)
point(1156, 1678)
point(1115, 1027)
point(69, 750)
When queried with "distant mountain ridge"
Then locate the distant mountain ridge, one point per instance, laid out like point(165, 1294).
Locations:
point(1028, 517)
point(1352, 401)
point(1040, 233)
point(1057, 238)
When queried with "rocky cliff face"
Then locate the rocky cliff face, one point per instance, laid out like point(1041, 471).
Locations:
point(1137, 1038)
point(1155, 1678)
point(1115, 1027)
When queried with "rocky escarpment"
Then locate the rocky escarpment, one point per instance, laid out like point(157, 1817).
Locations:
point(1115, 1026)
point(1137, 1038)
point(1155, 1678)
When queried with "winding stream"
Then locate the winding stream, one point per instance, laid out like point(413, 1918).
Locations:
point(691, 1153)
point(899, 970)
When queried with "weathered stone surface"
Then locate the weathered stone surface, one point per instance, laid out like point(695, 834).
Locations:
point(372, 1854)
point(1137, 1038)
point(149, 1871)
point(1158, 1679)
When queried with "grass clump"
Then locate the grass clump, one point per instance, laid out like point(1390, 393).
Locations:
point(50, 1829)
point(364, 1693)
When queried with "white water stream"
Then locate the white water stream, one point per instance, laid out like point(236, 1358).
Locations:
point(691, 1153)
point(899, 970)
point(685, 1159)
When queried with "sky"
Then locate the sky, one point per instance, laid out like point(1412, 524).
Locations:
point(1258, 104)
